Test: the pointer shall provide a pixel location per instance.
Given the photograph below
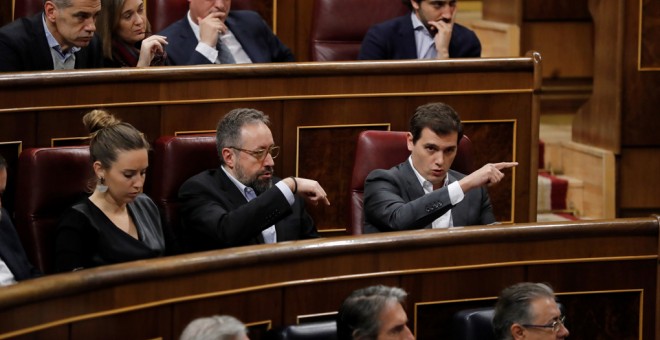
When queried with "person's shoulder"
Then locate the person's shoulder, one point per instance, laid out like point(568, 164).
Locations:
point(457, 175)
point(245, 15)
point(464, 31)
point(392, 23)
point(21, 28)
point(201, 179)
point(392, 173)
point(174, 27)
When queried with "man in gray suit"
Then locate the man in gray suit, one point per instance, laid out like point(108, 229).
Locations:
point(422, 192)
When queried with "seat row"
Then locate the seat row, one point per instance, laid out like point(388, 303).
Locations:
point(52, 179)
point(337, 27)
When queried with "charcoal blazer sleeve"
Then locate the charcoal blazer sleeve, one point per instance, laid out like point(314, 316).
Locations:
point(394, 200)
point(215, 214)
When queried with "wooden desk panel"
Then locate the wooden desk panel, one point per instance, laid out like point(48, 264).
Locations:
point(611, 264)
point(163, 100)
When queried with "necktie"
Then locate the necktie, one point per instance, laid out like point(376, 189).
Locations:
point(224, 55)
point(269, 234)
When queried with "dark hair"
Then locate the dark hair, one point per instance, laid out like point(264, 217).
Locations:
point(407, 3)
point(358, 316)
point(3, 163)
point(513, 306)
point(439, 117)
point(228, 131)
point(110, 135)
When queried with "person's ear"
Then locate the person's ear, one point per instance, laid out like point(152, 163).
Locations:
point(415, 5)
point(229, 157)
point(98, 170)
point(409, 140)
point(517, 331)
point(49, 11)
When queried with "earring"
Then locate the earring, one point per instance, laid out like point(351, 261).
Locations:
point(100, 186)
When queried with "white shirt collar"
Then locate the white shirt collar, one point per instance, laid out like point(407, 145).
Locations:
point(428, 186)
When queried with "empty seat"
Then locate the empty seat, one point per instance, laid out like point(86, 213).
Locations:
point(50, 180)
point(383, 150)
point(338, 26)
point(175, 159)
point(27, 8)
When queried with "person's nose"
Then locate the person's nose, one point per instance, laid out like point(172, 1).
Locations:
point(563, 332)
point(440, 158)
point(90, 25)
point(220, 4)
point(407, 334)
point(269, 161)
point(447, 11)
point(139, 20)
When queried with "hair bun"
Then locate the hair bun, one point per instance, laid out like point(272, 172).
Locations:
point(99, 119)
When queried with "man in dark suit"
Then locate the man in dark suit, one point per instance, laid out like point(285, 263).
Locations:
point(237, 204)
point(428, 32)
point(422, 192)
point(60, 37)
point(210, 34)
point(14, 265)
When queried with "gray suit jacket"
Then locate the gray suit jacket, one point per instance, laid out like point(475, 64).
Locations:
point(394, 200)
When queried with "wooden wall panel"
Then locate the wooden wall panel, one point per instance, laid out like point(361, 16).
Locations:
point(650, 30)
point(557, 10)
point(567, 47)
point(639, 169)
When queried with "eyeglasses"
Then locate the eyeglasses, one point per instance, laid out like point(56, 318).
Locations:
point(555, 325)
point(260, 154)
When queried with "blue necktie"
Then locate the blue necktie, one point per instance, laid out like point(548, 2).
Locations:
point(224, 55)
point(270, 236)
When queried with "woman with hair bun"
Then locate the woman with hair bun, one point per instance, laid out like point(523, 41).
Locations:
point(117, 223)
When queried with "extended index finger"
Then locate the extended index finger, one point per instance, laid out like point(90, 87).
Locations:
point(505, 165)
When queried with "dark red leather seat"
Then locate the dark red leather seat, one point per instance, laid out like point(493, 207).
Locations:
point(338, 26)
point(175, 159)
point(49, 181)
point(383, 150)
point(26, 8)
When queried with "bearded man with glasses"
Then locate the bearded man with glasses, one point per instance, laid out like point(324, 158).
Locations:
point(242, 202)
point(528, 311)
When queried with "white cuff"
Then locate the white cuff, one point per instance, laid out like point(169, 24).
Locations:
point(207, 51)
point(455, 193)
point(286, 191)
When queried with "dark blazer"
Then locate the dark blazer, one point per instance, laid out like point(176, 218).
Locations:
point(395, 39)
point(24, 47)
point(258, 41)
point(215, 214)
point(12, 252)
point(394, 200)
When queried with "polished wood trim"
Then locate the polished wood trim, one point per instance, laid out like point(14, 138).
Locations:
point(17, 142)
point(327, 262)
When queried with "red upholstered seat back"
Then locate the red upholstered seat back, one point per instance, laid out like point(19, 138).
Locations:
point(338, 26)
point(26, 8)
point(383, 150)
point(49, 181)
point(175, 159)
